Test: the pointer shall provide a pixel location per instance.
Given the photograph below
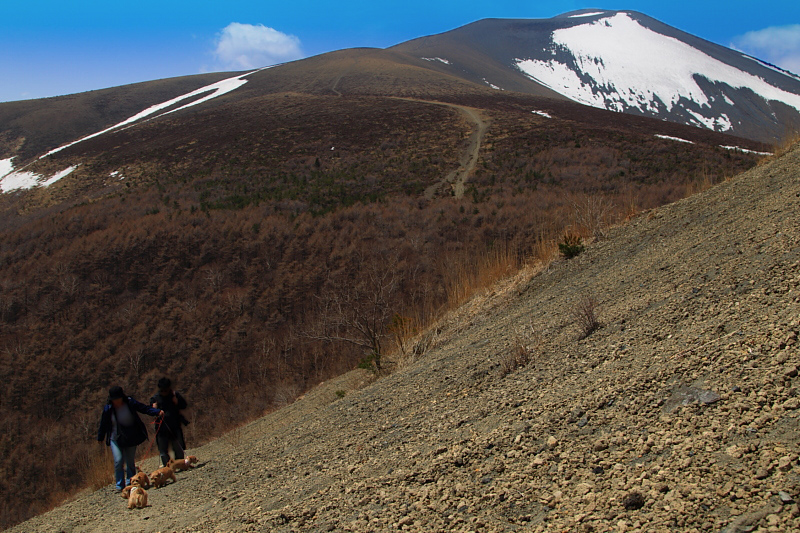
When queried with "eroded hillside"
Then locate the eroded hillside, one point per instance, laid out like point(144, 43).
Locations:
point(679, 413)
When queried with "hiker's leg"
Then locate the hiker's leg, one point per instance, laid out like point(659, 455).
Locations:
point(119, 471)
point(129, 454)
point(162, 440)
point(176, 447)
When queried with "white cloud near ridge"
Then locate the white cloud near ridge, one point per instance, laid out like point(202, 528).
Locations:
point(249, 46)
point(779, 45)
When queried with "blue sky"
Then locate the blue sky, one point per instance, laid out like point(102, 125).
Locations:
point(49, 48)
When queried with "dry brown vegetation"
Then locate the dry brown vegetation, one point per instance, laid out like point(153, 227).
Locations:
point(243, 263)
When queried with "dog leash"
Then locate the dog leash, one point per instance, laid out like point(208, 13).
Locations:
point(158, 422)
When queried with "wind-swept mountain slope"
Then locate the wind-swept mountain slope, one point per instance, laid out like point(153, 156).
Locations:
point(29, 128)
point(680, 412)
point(623, 61)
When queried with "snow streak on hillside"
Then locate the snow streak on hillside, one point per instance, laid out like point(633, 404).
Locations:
point(11, 180)
point(615, 63)
point(214, 90)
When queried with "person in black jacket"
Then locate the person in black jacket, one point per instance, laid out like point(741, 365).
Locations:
point(170, 432)
point(123, 430)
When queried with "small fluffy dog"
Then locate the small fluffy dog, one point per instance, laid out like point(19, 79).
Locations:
point(141, 480)
point(182, 464)
point(137, 498)
point(159, 478)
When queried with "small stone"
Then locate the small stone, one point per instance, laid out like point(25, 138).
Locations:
point(785, 463)
point(734, 451)
point(600, 445)
point(551, 442)
point(762, 473)
point(736, 388)
point(598, 470)
point(689, 395)
point(583, 421)
point(725, 489)
point(633, 500)
point(791, 404)
point(576, 414)
point(790, 371)
point(785, 497)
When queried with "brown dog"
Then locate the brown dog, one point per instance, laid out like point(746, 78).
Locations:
point(137, 498)
point(141, 480)
point(159, 478)
point(182, 464)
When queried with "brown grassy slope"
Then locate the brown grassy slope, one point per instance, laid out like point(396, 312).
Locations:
point(702, 293)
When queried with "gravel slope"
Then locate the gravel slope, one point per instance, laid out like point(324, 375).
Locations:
point(700, 301)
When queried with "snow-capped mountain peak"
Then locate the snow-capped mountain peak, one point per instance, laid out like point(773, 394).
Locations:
point(624, 61)
point(618, 63)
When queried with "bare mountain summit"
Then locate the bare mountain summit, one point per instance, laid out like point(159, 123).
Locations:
point(680, 412)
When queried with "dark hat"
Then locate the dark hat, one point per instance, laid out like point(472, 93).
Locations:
point(115, 393)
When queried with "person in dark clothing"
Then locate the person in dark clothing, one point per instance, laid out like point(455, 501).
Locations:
point(123, 430)
point(170, 433)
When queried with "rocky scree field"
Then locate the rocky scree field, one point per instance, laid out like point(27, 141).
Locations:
point(680, 413)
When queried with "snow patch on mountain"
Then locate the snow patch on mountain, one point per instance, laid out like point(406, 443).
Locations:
point(610, 63)
point(542, 114)
point(592, 14)
point(11, 180)
point(670, 138)
point(6, 166)
point(19, 180)
point(58, 175)
point(744, 150)
point(439, 59)
point(772, 67)
point(215, 90)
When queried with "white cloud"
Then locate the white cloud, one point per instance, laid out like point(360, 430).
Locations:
point(779, 45)
point(248, 46)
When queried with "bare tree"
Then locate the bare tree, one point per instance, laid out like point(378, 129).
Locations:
point(214, 279)
point(266, 358)
point(359, 313)
point(136, 357)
